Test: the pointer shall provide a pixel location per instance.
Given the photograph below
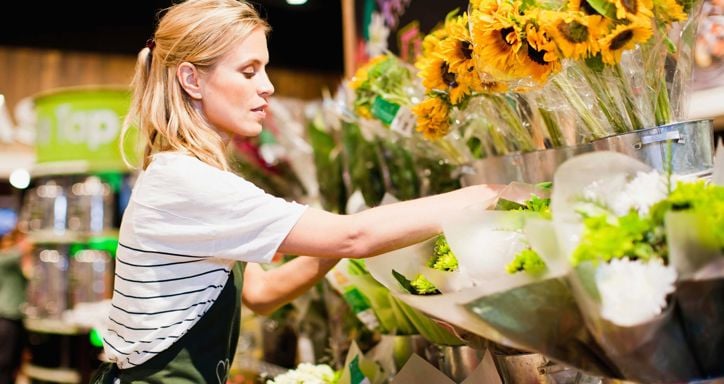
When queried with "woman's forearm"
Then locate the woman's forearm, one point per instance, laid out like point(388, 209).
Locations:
point(266, 291)
point(380, 229)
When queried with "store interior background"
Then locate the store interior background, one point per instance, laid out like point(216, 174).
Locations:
point(56, 45)
point(67, 44)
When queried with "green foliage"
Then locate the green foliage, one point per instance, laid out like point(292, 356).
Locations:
point(528, 261)
point(702, 198)
point(423, 286)
point(443, 258)
point(328, 166)
point(542, 206)
point(605, 238)
point(419, 286)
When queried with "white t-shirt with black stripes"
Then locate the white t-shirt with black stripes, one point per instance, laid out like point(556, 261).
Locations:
point(184, 226)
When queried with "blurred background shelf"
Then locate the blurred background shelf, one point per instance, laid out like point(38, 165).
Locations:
point(708, 103)
point(52, 375)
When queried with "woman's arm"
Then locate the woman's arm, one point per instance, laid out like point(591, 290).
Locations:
point(266, 291)
point(380, 229)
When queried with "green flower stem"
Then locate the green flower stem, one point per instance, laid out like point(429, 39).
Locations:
point(606, 102)
point(636, 123)
point(592, 125)
point(497, 140)
point(520, 136)
point(663, 107)
point(554, 131)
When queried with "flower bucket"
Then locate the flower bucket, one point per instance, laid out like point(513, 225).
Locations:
point(458, 362)
point(691, 144)
point(530, 167)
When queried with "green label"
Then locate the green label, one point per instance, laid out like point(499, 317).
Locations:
point(355, 373)
point(356, 300)
point(80, 124)
point(384, 110)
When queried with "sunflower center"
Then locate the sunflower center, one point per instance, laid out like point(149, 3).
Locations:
point(588, 9)
point(448, 77)
point(630, 5)
point(467, 49)
point(574, 31)
point(621, 39)
point(537, 56)
point(504, 33)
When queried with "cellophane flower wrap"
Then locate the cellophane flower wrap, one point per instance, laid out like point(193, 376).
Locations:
point(622, 278)
point(307, 373)
point(514, 75)
point(378, 127)
point(613, 218)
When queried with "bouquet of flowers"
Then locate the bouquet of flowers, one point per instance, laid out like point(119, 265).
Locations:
point(523, 75)
point(307, 373)
point(622, 278)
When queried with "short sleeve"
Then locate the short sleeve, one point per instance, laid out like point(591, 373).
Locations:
point(184, 206)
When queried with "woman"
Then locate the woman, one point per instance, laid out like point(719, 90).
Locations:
point(175, 309)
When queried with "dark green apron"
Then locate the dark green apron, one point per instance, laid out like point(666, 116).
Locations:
point(203, 355)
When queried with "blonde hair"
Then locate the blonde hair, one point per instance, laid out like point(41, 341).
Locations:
point(194, 31)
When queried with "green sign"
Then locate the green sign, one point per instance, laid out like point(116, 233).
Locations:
point(81, 124)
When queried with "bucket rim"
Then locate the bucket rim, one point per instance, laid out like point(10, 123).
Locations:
point(667, 125)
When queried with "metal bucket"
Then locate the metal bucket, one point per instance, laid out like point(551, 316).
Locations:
point(458, 362)
point(404, 346)
point(530, 167)
point(691, 143)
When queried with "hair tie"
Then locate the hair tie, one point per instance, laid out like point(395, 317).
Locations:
point(151, 44)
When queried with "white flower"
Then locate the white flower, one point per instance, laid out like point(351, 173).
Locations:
point(306, 374)
point(633, 292)
point(620, 195)
point(378, 34)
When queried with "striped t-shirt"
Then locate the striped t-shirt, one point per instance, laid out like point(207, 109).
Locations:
point(185, 225)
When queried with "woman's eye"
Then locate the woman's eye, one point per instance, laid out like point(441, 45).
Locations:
point(248, 74)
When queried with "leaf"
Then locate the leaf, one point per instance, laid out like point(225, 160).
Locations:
point(604, 7)
point(595, 63)
point(406, 284)
point(357, 267)
point(508, 205)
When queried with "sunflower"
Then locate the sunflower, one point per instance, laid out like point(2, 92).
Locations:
point(434, 72)
point(538, 58)
point(669, 11)
point(432, 117)
point(458, 48)
point(623, 37)
point(575, 34)
point(633, 8)
point(495, 45)
point(433, 39)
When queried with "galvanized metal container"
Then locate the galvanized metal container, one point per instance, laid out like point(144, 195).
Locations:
point(458, 362)
point(530, 167)
point(688, 144)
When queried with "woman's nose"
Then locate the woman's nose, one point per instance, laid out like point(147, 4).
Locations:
point(266, 88)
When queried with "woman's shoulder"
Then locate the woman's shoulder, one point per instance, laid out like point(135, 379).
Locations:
point(183, 175)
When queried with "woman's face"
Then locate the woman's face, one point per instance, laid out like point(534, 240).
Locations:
point(235, 92)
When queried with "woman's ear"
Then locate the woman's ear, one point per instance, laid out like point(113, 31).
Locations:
point(188, 77)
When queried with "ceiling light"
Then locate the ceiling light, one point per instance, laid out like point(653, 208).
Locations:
point(20, 179)
point(296, 2)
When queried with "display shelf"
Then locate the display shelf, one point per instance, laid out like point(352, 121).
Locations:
point(53, 375)
point(75, 167)
point(67, 237)
point(54, 326)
